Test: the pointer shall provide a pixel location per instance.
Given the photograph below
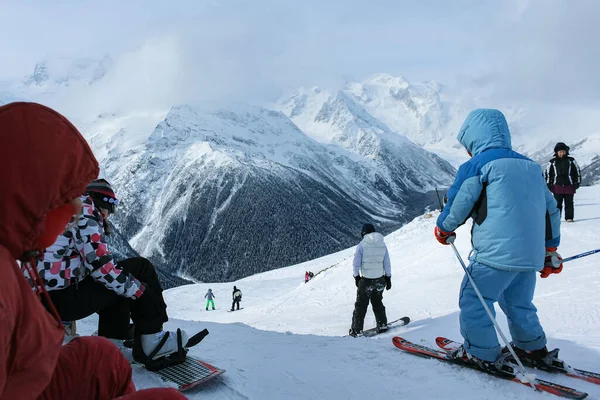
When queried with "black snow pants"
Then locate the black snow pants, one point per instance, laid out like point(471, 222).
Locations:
point(369, 290)
point(148, 313)
point(568, 198)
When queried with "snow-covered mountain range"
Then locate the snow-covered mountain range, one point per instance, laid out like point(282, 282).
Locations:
point(221, 194)
point(295, 179)
point(416, 111)
point(430, 114)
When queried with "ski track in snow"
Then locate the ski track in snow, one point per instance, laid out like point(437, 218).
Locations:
point(288, 341)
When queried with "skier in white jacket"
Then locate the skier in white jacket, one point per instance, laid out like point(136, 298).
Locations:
point(372, 274)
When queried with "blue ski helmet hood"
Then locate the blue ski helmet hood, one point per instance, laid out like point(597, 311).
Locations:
point(484, 129)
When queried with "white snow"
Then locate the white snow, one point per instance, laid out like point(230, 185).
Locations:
point(287, 341)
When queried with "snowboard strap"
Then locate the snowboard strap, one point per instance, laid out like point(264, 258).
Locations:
point(197, 338)
point(162, 342)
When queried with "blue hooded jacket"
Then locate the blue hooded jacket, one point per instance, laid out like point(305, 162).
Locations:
point(514, 214)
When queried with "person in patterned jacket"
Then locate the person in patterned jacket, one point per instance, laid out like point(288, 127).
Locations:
point(83, 278)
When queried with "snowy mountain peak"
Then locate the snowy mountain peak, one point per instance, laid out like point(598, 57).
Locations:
point(64, 71)
point(387, 80)
point(383, 101)
point(238, 127)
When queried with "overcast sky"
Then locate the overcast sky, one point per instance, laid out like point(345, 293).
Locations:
point(542, 50)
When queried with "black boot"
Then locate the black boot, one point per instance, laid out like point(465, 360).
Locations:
point(503, 366)
point(541, 359)
point(354, 332)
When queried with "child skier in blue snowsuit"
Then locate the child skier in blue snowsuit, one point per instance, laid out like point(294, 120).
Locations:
point(516, 232)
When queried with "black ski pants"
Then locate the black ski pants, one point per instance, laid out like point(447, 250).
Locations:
point(568, 198)
point(148, 313)
point(233, 304)
point(369, 290)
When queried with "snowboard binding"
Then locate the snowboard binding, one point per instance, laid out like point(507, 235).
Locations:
point(175, 358)
point(152, 364)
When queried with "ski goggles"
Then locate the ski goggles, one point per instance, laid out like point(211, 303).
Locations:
point(112, 203)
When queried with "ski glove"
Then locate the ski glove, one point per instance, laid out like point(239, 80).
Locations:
point(388, 282)
point(357, 280)
point(444, 237)
point(552, 263)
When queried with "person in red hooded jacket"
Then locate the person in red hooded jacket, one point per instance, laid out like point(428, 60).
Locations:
point(45, 165)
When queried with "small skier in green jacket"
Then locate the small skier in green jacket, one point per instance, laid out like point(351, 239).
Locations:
point(209, 296)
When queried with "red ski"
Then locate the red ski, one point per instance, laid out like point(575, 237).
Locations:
point(541, 385)
point(559, 367)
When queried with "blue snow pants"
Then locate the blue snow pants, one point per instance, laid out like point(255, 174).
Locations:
point(514, 293)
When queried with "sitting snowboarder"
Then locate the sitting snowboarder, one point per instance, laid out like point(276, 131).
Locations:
point(82, 278)
point(209, 296)
point(372, 274)
point(237, 297)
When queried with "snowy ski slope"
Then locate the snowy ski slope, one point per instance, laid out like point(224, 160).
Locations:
point(287, 342)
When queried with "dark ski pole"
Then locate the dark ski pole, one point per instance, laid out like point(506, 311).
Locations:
point(440, 200)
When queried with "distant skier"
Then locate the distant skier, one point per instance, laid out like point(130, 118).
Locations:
point(237, 297)
point(306, 277)
point(563, 177)
point(372, 274)
point(516, 232)
point(209, 296)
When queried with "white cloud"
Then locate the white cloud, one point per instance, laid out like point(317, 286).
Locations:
point(165, 53)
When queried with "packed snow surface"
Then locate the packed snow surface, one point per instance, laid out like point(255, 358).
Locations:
point(288, 342)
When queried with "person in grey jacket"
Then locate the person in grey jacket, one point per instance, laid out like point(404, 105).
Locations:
point(209, 296)
point(372, 274)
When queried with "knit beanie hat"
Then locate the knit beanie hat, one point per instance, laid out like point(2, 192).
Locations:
point(366, 229)
point(561, 146)
point(102, 195)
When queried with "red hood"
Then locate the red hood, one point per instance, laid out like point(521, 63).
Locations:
point(44, 163)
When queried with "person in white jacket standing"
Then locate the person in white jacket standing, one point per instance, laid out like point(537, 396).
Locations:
point(372, 274)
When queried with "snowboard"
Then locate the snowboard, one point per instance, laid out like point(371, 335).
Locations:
point(391, 325)
point(241, 308)
point(191, 373)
